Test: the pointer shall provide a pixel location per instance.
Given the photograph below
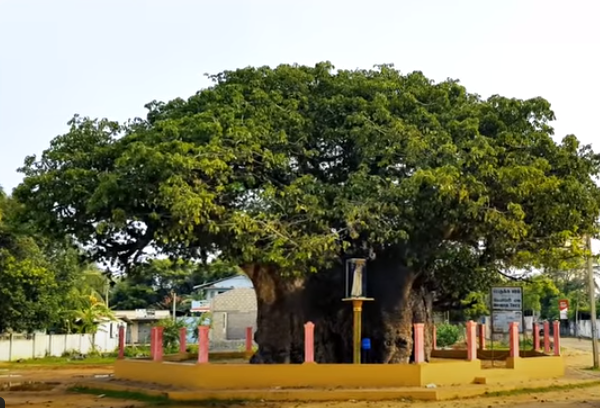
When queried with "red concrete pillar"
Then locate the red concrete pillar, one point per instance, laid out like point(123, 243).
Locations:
point(547, 337)
point(152, 342)
point(481, 329)
point(536, 336)
point(556, 338)
point(513, 329)
point(203, 344)
point(121, 342)
point(249, 342)
point(183, 340)
point(309, 342)
point(471, 340)
point(434, 337)
point(419, 342)
point(158, 348)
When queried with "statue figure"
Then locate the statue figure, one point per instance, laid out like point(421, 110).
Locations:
point(357, 281)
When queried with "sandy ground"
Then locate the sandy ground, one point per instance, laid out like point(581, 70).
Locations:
point(578, 358)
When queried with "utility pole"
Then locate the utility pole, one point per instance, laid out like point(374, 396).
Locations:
point(592, 289)
point(106, 292)
point(174, 300)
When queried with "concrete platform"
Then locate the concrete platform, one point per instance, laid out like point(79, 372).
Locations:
point(338, 394)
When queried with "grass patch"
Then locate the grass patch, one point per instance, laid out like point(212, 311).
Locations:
point(126, 395)
point(551, 388)
point(154, 399)
point(592, 369)
point(56, 362)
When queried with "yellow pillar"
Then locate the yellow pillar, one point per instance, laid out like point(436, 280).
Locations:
point(356, 339)
point(357, 304)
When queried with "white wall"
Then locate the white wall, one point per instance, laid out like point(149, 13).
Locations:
point(41, 345)
point(584, 328)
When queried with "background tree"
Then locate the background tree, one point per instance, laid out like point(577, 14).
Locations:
point(290, 170)
point(29, 274)
point(84, 304)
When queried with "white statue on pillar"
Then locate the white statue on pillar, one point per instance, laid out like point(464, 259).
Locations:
point(357, 281)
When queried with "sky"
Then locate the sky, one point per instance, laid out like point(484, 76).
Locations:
point(109, 58)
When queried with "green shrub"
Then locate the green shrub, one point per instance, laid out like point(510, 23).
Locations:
point(526, 344)
point(447, 334)
point(137, 351)
point(171, 333)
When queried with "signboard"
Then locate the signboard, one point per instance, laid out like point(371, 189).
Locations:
point(506, 304)
point(501, 320)
point(563, 308)
point(200, 306)
point(508, 298)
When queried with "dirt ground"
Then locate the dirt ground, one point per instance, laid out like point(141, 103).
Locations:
point(577, 356)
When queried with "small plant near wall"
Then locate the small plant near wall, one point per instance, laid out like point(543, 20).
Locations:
point(171, 333)
point(447, 335)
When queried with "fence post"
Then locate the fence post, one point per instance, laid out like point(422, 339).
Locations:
point(121, 342)
point(556, 338)
point(434, 338)
point(152, 341)
point(10, 346)
point(203, 344)
point(547, 337)
point(514, 339)
point(471, 340)
point(419, 342)
point(158, 344)
point(481, 329)
point(33, 341)
point(309, 342)
point(183, 340)
point(249, 343)
point(536, 336)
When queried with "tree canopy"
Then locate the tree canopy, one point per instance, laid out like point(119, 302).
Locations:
point(295, 166)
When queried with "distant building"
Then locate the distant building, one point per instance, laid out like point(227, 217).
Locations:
point(212, 289)
point(139, 323)
point(232, 312)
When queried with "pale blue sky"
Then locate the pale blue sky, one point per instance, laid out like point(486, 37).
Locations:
point(108, 58)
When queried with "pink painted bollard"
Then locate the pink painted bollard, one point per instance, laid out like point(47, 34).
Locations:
point(309, 342)
point(183, 340)
point(536, 336)
point(434, 338)
point(121, 342)
point(556, 338)
point(481, 329)
point(152, 342)
point(158, 348)
point(513, 329)
point(249, 343)
point(547, 337)
point(203, 344)
point(471, 340)
point(419, 343)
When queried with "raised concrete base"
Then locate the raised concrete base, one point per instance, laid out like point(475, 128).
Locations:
point(371, 394)
point(327, 376)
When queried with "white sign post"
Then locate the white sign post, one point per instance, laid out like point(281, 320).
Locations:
point(506, 307)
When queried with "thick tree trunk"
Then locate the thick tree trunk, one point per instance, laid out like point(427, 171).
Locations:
point(280, 316)
point(400, 301)
point(285, 304)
